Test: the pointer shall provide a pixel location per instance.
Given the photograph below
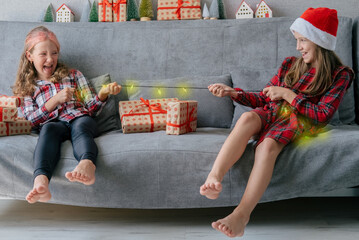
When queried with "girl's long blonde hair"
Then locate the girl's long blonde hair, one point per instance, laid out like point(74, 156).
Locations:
point(327, 61)
point(26, 76)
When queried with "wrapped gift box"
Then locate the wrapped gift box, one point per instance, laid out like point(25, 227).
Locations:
point(8, 114)
point(11, 101)
point(144, 115)
point(20, 126)
point(105, 10)
point(181, 117)
point(178, 9)
point(119, 10)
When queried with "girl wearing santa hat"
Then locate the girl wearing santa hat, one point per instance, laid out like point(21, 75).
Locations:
point(298, 101)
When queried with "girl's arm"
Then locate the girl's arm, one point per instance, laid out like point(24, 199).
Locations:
point(86, 94)
point(323, 111)
point(254, 99)
point(35, 114)
point(94, 103)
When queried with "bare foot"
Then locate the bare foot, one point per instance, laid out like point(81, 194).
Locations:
point(40, 191)
point(233, 225)
point(84, 173)
point(211, 188)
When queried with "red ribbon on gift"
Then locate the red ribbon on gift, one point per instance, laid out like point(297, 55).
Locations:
point(189, 118)
point(146, 103)
point(1, 115)
point(18, 99)
point(103, 4)
point(180, 4)
point(7, 129)
point(117, 7)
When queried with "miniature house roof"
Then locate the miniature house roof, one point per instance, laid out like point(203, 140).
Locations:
point(263, 5)
point(65, 7)
point(244, 5)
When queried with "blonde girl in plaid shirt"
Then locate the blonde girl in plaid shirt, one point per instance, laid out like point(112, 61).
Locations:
point(59, 102)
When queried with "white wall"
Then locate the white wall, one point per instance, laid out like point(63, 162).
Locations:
point(33, 10)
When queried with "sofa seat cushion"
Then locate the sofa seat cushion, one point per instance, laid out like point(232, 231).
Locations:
point(155, 170)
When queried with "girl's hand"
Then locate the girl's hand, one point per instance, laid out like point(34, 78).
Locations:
point(221, 90)
point(279, 93)
point(64, 95)
point(112, 88)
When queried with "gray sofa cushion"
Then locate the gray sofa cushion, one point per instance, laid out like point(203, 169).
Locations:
point(107, 119)
point(256, 79)
point(212, 111)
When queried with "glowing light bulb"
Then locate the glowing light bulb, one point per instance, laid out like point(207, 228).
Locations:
point(159, 91)
point(185, 90)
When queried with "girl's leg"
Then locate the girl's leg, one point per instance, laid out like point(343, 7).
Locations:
point(266, 154)
point(83, 132)
point(247, 126)
point(46, 156)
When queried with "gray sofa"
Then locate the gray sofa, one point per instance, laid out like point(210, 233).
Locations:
point(155, 170)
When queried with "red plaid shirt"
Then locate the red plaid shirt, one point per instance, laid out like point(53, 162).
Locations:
point(307, 114)
point(84, 102)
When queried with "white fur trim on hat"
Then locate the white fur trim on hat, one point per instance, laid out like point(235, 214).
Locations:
point(319, 37)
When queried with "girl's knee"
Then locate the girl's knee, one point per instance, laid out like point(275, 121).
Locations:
point(249, 118)
point(85, 124)
point(270, 146)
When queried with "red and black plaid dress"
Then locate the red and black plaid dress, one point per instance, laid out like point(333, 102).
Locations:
point(285, 122)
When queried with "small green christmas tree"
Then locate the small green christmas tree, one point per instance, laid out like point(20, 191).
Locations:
point(146, 11)
point(49, 15)
point(221, 9)
point(93, 13)
point(132, 10)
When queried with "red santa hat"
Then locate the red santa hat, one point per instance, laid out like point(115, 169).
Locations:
point(319, 25)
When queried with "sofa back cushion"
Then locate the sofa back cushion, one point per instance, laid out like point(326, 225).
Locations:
point(107, 119)
point(168, 49)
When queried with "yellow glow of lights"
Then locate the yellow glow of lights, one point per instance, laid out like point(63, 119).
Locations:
point(82, 95)
point(308, 138)
point(183, 90)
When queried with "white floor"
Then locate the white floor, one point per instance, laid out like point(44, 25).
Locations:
point(305, 218)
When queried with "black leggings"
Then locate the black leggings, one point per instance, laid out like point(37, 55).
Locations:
point(81, 131)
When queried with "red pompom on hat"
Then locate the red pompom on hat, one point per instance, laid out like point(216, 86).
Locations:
point(319, 25)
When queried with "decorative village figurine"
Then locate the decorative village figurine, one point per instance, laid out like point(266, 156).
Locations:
point(244, 11)
point(263, 10)
point(64, 14)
